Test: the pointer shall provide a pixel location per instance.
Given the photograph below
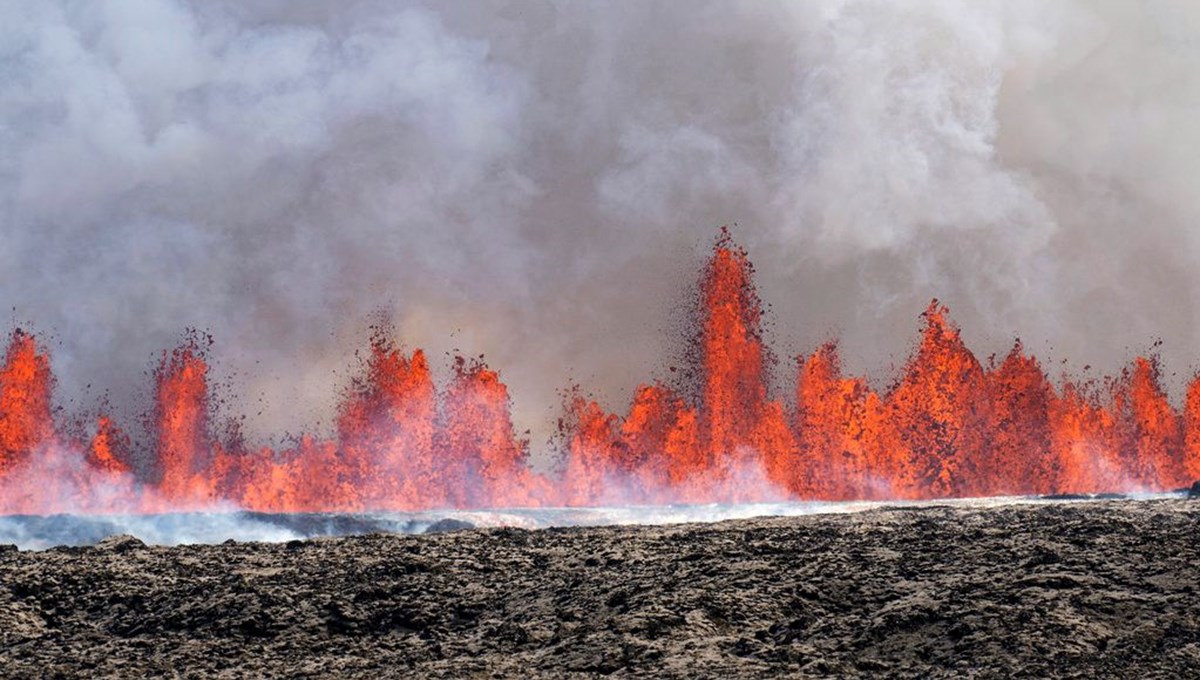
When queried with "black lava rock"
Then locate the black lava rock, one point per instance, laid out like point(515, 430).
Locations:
point(1062, 590)
point(447, 525)
point(121, 543)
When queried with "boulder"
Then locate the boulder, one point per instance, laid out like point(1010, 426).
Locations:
point(121, 543)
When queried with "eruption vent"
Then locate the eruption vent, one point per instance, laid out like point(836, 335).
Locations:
point(949, 427)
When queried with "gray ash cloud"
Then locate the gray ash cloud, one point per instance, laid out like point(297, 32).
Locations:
point(538, 181)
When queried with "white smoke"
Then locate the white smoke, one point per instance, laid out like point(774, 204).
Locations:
point(535, 181)
point(37, 533)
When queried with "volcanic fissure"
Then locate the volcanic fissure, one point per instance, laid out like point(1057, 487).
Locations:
point(950, 426)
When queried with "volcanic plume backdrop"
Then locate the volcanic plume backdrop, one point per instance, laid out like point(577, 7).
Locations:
point(536, 183)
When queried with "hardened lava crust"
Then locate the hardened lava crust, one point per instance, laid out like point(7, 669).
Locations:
point(1069, 589)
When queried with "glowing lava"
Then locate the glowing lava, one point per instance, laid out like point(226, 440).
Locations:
point(949, 427)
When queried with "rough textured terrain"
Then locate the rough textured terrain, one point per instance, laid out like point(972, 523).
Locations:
point(1099, 589)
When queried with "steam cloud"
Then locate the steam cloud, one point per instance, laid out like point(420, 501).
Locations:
point(535, 181)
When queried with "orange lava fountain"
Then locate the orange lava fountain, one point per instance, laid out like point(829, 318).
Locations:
point(948, 427)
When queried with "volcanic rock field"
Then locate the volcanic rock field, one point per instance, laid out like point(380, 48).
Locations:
point(1068, 589)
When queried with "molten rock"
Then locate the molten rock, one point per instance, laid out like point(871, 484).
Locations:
point(950, 426)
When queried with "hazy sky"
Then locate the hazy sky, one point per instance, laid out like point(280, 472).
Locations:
point(539, 182)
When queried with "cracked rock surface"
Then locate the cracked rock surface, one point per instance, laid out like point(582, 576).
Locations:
point(1096, 589)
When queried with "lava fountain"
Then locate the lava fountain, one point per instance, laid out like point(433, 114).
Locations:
point(949, 426)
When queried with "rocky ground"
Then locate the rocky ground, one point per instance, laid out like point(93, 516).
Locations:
point(1097, 589)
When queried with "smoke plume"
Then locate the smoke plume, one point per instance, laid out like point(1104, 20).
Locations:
point(534, 180)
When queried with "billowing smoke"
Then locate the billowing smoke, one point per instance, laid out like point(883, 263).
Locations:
point(535, 182)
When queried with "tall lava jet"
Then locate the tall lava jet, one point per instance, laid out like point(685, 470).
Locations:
point(949, 426)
